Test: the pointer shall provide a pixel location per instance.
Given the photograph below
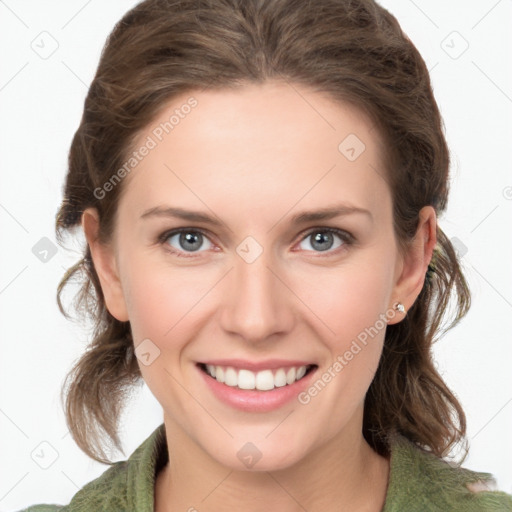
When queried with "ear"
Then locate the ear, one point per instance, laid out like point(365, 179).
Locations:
point(103, 257)
point(414, 263)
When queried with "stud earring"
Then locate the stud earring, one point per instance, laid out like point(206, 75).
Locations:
point(400, 307)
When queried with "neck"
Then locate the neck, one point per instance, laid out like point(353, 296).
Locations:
point(345, 473)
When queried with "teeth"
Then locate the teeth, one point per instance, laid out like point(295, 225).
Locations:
point(301, 372)
point(230, 377)
point(246, 379)
point(280, 378)
point(264, 380)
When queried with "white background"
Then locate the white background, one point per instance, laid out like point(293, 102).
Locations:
point(41, 104)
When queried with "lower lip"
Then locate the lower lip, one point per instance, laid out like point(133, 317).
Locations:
point(251, 400)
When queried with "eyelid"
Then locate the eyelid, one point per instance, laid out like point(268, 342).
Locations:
point(328, 229)
point(171, 232)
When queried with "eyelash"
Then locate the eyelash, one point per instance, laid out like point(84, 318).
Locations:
point(346, 238)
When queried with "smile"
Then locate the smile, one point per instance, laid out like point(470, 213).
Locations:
point(263, 380)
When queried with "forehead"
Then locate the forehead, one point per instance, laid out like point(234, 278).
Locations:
point(259, 146)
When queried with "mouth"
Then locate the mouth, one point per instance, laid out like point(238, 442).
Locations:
point(262, 380)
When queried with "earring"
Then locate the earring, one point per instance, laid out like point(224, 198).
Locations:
point(400, 307)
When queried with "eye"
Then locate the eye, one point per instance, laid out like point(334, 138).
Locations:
point(191, 240)
point(187, 240)
point(324, 239)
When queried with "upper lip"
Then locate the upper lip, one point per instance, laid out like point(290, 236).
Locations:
point(268, 364)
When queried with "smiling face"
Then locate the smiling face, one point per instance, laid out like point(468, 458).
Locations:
point(259, 286)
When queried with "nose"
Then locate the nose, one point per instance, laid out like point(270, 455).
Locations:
point(257, 302)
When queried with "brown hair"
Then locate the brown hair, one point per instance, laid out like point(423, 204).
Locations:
point(353, 50)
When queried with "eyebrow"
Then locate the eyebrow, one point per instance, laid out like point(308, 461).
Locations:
point(300, 218)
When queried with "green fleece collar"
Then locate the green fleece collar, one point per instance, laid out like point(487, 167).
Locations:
point(418, 482)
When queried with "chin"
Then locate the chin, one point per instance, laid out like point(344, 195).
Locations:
point(258, 456)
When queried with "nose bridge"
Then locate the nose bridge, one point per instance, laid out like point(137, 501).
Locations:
point(255, 305)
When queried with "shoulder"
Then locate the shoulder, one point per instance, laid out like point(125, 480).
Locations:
point(107, 492)
point(126, 485)
point(420, 481)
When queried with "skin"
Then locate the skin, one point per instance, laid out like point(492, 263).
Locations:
point(253, 158)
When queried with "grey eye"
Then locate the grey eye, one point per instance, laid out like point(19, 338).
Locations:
point(323, 240)
point(188, 241)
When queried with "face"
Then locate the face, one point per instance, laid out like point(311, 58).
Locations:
point(253, 283)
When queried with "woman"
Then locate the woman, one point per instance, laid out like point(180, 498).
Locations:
point(298, 149)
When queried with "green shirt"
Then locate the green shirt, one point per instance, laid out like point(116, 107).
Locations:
point(418, 482)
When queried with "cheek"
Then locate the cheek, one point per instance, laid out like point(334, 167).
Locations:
point(348, 300)
point(161, 309)
point(161, 300)
point(353, 303)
